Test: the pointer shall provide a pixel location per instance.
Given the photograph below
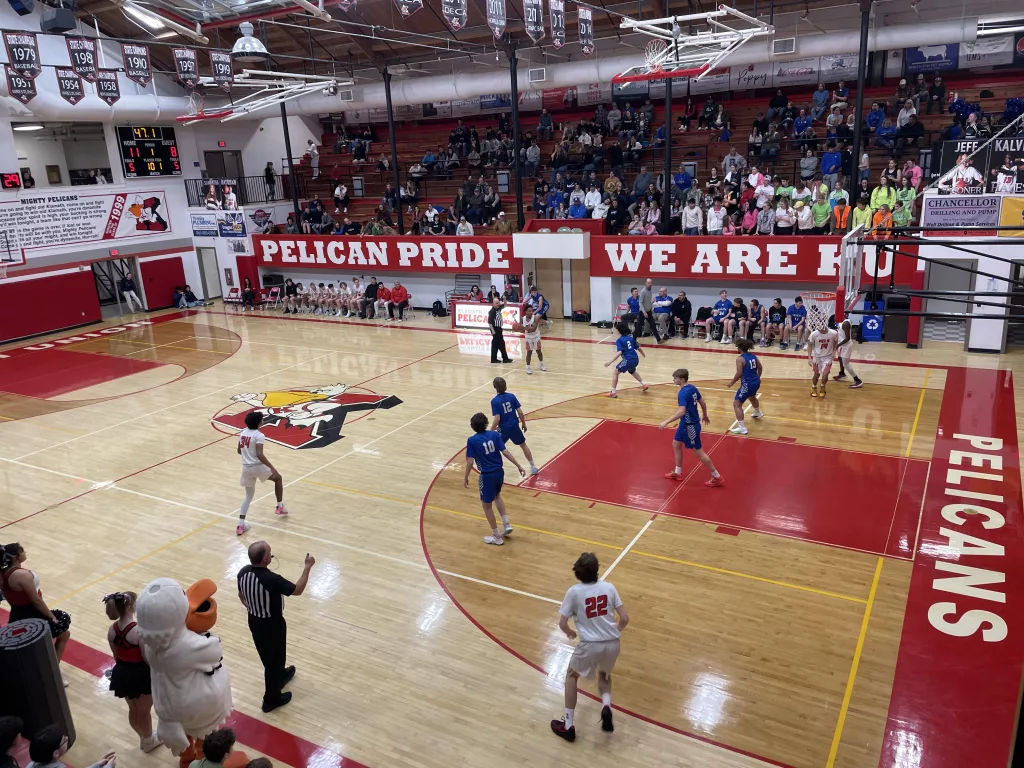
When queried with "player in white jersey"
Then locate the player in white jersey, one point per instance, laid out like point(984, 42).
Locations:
point(256, 466)
point(845, 351)
point(821, 351)
point(592, 605)
point(330, 301)
point(531, 335)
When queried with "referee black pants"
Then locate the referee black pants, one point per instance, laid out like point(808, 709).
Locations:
point(498, 347)
point(270, 637)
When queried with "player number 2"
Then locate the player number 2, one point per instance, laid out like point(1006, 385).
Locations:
point(597, 606)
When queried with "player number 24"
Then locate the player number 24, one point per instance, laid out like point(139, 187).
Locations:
point(597, 606)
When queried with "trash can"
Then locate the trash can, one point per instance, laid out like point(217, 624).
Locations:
point(871, 325)
point(30, 682)
point(897, 327)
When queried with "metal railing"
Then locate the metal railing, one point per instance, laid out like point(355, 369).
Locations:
point(249, 190)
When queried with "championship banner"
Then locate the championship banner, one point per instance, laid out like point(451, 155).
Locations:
point(82, 51)
point(557, 20)
point(408, 7)
point(496, 17)
point(454, 12)
point(1006, 166)
point(23, 53)
point(187, 67)
point(533, 19)
point(136, 63)
point(69, 85)
point(585, 18)
point(20, 87)
point(961, 211)
point(107, 86)
point(750, 259)
point(492, 255)
point(220, 62)
point(49, 221)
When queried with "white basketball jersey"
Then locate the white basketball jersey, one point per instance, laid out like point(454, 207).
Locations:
point(248, 439)
point(823, 343)
point(845, 350)
point(593, 608)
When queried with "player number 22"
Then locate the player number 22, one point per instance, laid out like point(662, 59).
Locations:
point(597, 606)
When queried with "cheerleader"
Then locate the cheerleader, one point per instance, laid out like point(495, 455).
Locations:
point(20, 588)
point(129, 679)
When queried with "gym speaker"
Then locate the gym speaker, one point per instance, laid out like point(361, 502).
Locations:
point(30, 682)
point(57, 20)
point(22, 7)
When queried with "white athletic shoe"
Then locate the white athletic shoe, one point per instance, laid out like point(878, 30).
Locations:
point(495, 540)
point(148, 745)
point(507, 529)
point(708, 339)
point(738, 430)
point(757, 415)
point(542, 367)
point(529, 370)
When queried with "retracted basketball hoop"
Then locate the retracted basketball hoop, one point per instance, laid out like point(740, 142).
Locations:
point(711, 38)
point(197, 110)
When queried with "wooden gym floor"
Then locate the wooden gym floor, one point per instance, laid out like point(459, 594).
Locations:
point(767, 614)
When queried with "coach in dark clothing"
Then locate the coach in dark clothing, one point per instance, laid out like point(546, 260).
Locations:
point(494, 323)
point(369, 299)
point(262, 592)
point(646, 317)
point(681, 313)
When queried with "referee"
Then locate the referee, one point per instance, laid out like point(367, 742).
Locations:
point(495, 324)
point(261, 592)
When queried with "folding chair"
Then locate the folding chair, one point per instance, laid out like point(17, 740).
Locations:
point(272, 300)
point(234, 298)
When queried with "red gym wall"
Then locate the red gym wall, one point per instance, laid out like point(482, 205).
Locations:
point(246, 266)
point(159, 277)
point(29, 307)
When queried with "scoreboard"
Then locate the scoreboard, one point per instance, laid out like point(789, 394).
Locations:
point(148, 151)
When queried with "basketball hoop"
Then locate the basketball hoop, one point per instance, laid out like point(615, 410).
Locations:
point(654, 54)
point(821, 308)
point(197, 110)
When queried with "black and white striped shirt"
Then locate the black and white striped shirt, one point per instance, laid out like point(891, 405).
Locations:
point(262, 592)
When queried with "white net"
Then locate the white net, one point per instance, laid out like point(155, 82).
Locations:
point(654, 53)
point(821, 308)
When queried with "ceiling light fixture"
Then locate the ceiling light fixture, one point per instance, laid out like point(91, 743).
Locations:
point(249, 49)
point(29, 127)
point(148, 20)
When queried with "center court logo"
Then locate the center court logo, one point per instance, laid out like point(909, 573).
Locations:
point(304, 417)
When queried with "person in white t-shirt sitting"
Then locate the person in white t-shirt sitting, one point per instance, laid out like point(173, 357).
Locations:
point(256, 466)
point(592, 605)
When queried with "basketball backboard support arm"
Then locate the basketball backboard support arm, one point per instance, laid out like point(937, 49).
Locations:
point(672, 53)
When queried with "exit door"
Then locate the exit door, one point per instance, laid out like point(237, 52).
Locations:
point(223, 164)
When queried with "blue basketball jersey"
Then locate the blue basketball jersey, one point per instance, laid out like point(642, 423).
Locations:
point(749, 375)
point(798, 314)
point(627, 346)
point(504, 407)
point(485, 449)
point(688, 399)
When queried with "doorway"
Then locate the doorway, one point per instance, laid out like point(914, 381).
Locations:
point(222, 164)
point(107, 276)
point(209, 273)
point(549, 280)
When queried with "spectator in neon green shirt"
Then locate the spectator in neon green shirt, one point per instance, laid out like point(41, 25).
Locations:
point(862, 214)
point(900, 215)
point(821, 211)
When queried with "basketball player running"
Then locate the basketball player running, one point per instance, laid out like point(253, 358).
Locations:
point(531, 334)
point(592, 605)
point(256, 466)
point(748, 373)
point(821, 351)
point(845, 351)
point(627, 347)
point(688, 431)
point(509, 420)
point(486, 449)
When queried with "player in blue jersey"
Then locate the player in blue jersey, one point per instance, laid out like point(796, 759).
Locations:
point(748, 374)
point(719, 313)
point(486, 448)
point(796, 324)
point(509, 420)
point(688, 431)
point(627, 347)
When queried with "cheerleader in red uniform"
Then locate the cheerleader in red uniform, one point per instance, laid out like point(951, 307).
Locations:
point(129, 678)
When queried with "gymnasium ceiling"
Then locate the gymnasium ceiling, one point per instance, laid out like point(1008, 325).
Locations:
point(373, 33)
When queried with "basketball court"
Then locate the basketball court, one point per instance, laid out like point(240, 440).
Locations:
point(768, 616)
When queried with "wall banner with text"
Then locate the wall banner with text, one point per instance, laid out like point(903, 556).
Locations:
point(23, 53)
point(137, 65)
point(107, 86)
point(82, 51)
